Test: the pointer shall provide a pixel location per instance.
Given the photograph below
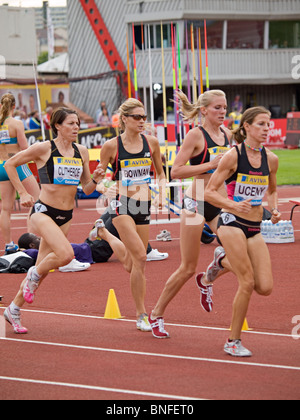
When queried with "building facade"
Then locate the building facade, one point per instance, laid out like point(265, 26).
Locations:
point(18, 46)
point(253, 49)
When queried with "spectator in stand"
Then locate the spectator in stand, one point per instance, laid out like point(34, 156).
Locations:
point(23, 117)
point(47, 117)
point(100, 110)
point(21, 107)
point(237, 103)
point(293, 108)
point(104, 119)
point(61, 99)
point(34, 120)
point(235, 117)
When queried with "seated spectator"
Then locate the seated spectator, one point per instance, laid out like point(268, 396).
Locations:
point(30, 243)
point(104, 119)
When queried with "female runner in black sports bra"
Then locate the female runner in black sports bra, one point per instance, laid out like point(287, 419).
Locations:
point(204, 147)
point(131, 155)
point(62, 165)
point(249, 171)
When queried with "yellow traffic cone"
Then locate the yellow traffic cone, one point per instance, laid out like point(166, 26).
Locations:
point(112, 310)
point(245, 326)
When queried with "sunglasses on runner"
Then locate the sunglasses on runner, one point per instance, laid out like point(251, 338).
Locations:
point(137, 117)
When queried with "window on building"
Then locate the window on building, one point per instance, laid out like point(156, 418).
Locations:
point(284, 34)
point(245, 34)
point(214, 31)
point(167, 37)
point(155, 36)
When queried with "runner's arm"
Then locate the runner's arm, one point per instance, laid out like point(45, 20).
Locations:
point(272, 195)
point(225, 169)
point(89, 183)
point(180, 169)
point(33, 153)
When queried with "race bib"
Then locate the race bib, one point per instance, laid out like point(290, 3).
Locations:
point(40, 208)
point(136, 171)
point(115, 204)
point(214, 152)
point(228, 218)
point(4, 135)
point(251, 186)
point(67, 171)
point(190, 204)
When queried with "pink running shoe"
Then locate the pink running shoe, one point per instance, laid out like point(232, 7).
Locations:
point(206, 294)
point(30, 287)
point(14, 320)
point(157, 326)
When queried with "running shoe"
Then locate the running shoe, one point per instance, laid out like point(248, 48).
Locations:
point(11, 249)
point(142, 323)
point(206, 294)
point(74, 266)
point(164, 236)
point(235, 348)
point(155, 255)
point(158, 329)
point(14, 319)
point(99, 224)
point(30, 287)
point(215, 267)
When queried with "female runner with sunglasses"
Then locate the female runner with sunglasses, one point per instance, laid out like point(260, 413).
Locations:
point(131, 155)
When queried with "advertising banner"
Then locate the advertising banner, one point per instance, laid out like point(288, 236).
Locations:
point(293, 130)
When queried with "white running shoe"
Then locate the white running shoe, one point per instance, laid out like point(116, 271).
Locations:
point(235, 348)
point(142, 323)
point(74, 266)
point(215, 267)
point(99, 224)
point(155, 255)
point(164, 236)
point(14, 319)
point(30, 287)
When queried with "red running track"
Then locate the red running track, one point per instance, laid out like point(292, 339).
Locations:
point(71, 352)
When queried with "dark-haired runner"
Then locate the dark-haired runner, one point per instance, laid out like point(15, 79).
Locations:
point(61, 164)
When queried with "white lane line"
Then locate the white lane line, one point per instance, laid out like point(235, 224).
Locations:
point(201, 327)
point(147, 354)
point(97, 388)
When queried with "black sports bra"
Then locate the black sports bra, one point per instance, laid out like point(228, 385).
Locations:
point(61, 170)
point(211, 150)
point(133, 168)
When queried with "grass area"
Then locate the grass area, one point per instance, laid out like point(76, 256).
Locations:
point(289, 166)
